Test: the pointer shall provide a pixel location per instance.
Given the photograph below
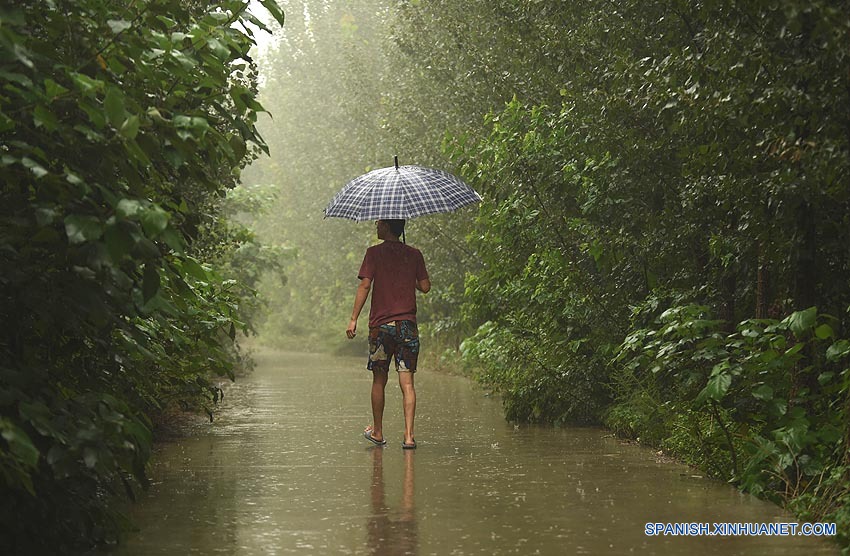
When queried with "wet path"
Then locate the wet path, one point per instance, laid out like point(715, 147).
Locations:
point(284, 469)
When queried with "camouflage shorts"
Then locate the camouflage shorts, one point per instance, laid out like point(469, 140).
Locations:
point(399, 339)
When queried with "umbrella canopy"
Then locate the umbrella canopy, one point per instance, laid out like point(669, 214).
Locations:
point(400, 192)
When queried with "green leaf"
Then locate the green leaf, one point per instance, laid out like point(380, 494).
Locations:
point(824, 331)
point(838, 350)
point(154, 220)
point(824, 378)
point(89, 457)
point(52, 89)
point(118, 25)
point(80, 228)
point(173, 239)
point(794, 349)
point(186, 62)
point(801, 322)
point(156, 115)
point(44, 117)
point(34, 167)
point(23, 55)
point(73, 178)
point(219, 50)
point(274, 10)
point(113, 104)
point(763, 392)
point(18, 78)
point(86, 84)
point(44, 216)
point(6, 123)
point(95, 114)
point(166, 21)
point(257, 22)
point(130, 127)
point(136, 152)
point(191, 267)
point(19, 443)
point(716, 388)
point(128, 208)
point(189, 127)
point(238, 146)
point(151, 283)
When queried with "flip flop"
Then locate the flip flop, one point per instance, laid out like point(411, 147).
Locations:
point(406, 446)
point(367, 434)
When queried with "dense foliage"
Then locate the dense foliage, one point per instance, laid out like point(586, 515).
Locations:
point(122, 126)
point(665, 245)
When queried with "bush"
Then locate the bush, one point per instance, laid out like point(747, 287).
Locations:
point(763, 406)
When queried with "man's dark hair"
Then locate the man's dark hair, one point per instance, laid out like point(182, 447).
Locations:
point(396, 226)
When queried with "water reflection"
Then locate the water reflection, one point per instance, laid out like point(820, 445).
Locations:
point(392, 532)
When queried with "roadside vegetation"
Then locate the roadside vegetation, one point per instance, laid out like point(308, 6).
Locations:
point(125, 274)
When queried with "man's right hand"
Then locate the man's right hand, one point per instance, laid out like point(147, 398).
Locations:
point(351, 332)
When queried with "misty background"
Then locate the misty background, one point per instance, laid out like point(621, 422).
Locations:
point(343, 100)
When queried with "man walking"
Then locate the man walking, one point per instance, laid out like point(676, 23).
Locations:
point(396, 271)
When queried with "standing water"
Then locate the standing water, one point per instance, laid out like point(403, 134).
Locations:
point(285, 469)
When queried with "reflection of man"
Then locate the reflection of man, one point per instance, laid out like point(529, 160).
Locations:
point(397, 271)
point(386, 535)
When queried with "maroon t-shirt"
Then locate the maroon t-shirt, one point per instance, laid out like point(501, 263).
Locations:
point(394, 269)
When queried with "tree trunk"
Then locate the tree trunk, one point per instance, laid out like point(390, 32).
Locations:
point(805, 282)
point(762, 284)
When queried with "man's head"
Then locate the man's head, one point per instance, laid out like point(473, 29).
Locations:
point(393, 226)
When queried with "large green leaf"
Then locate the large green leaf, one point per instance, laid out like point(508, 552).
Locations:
point(130, 127)
point(113, 104)
point(192, 268)
point(52, 89)
point(118, 25)
point(274, 10)
point(716, 388)
point(824, 332)
point(801, 322)
point(128, 208)
point(80, 228)
point(35, 167)
point(838, 350)
point(19, 443)
point(154, 220)
point(44, 117)
point(191, 127)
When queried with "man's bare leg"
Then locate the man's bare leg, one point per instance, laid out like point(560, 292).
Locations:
point(379, 382)
point(408, 393)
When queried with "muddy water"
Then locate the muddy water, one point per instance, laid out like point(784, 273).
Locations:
point(284, 469)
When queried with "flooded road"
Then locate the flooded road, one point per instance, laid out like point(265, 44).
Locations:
point(284, 469)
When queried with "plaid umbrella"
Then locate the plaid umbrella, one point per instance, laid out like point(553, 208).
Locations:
point(400, 192)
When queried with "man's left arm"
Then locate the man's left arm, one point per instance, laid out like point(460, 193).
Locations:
point(423, 282)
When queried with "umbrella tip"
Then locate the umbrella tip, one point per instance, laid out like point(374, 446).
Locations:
point(395, 158)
